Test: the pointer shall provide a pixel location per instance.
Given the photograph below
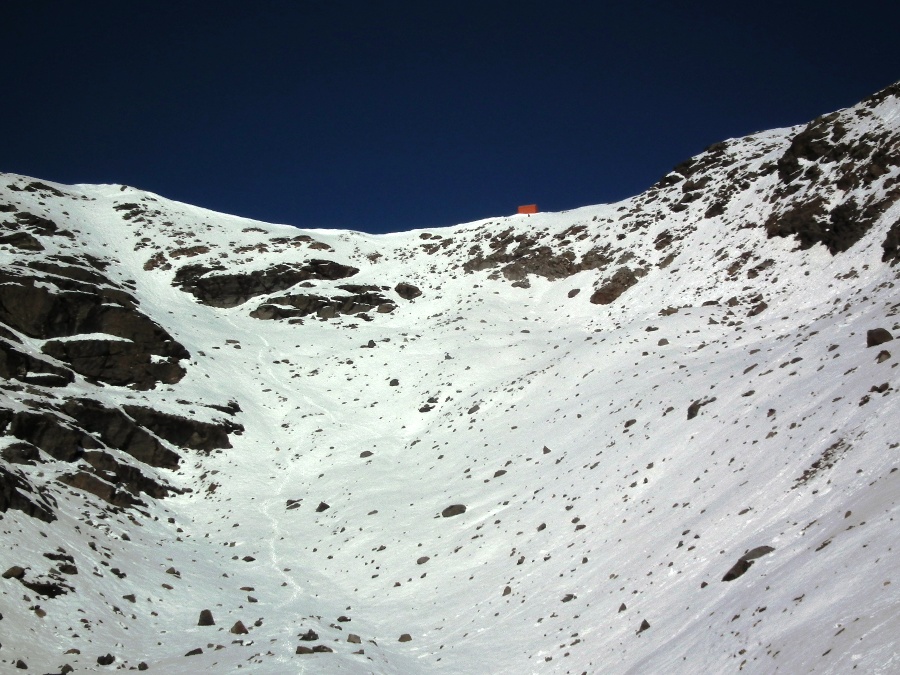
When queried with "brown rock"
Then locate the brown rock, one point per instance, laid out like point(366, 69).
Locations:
point(453, 510)
point(239, 628)
point(406, 637)
point(878, 336)
point(206, 618)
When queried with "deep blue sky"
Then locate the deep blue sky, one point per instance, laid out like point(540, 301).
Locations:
point(383, 116)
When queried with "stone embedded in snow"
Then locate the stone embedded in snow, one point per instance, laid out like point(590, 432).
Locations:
point(453, 510)
point(883, 356)
point(238, 628)
point(644, 626)
point(105, 660)
point(352, 637)
point(14, 572)
point(206, 618)
point(309, 636)
point(745, 561)
point(322, 507)
point(424, 559)
point(878, 336)
point(195, 652)
point(406, 637)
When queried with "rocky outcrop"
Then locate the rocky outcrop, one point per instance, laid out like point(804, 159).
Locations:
point(185, 432)
point(119, 362)
point(623, 279)
point(118, 430)
point(51, 434)
point(518, 255)
point(17, 365)
point(70, 300)
point(89, 482)
point(211, 286)
point(300, 305)
point(17, 493)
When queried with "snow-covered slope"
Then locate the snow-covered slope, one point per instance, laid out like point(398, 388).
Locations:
point(526, 444)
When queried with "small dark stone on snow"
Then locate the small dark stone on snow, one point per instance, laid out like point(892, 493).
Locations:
point(568, 597)
point(14, 572)
point(365, 453)
point(248, 558)
point(883, 356)
point(737, 570)
point(353, 638)
point(143, 666)
point(453, 510)
point(878, 336)
point(644, 626)
point(546, 450)
point(406, 637)
point(507, 591)
point(21, 664)
point(424, 559)
point(309, 636)
point(206, 618)
point(322, 649)
point(322, 507)
point(303, 650)
point(622, 607)
point(238, 628)
point(105, 660)
point(662, 342)
point(393, 383)
point(194, 652)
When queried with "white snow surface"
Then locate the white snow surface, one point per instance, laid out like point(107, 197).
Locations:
point(592, 502)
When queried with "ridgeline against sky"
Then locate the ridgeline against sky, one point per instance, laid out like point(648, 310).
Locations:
point(388, 116)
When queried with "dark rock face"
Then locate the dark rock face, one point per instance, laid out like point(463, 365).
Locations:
point(118, 430)
point(878, 336)
point(17, 365)
point(231, 290)
point(116, 362)
point(821, 165)
point(21, 453)
point(185, 432)
point(69, 300)
point(623, 279)
point(88, 482)
point(300, 305)
point(16, 493)
point(51, 434)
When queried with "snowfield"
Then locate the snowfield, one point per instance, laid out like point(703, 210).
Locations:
point(630, 401)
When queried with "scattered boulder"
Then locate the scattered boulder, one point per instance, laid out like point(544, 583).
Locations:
point(453, 510)
point(422, 560)
point(309, 636)
point(194, 652)
point(105, 660)
point(14, 572)
point(878, 336)
point(745, 561)
point(353, 638)
point(238, 628)
point(322, 507)
point(406, 637)
point(407, 291)
point(644, 626)
point(206, 618)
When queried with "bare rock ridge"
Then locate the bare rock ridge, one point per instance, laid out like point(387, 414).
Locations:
point(339, 444)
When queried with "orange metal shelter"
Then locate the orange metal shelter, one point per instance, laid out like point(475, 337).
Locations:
point(528, 208)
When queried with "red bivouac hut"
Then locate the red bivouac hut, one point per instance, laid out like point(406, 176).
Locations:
point(528, 208)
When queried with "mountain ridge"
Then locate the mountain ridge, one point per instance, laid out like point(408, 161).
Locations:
point(645, 409)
